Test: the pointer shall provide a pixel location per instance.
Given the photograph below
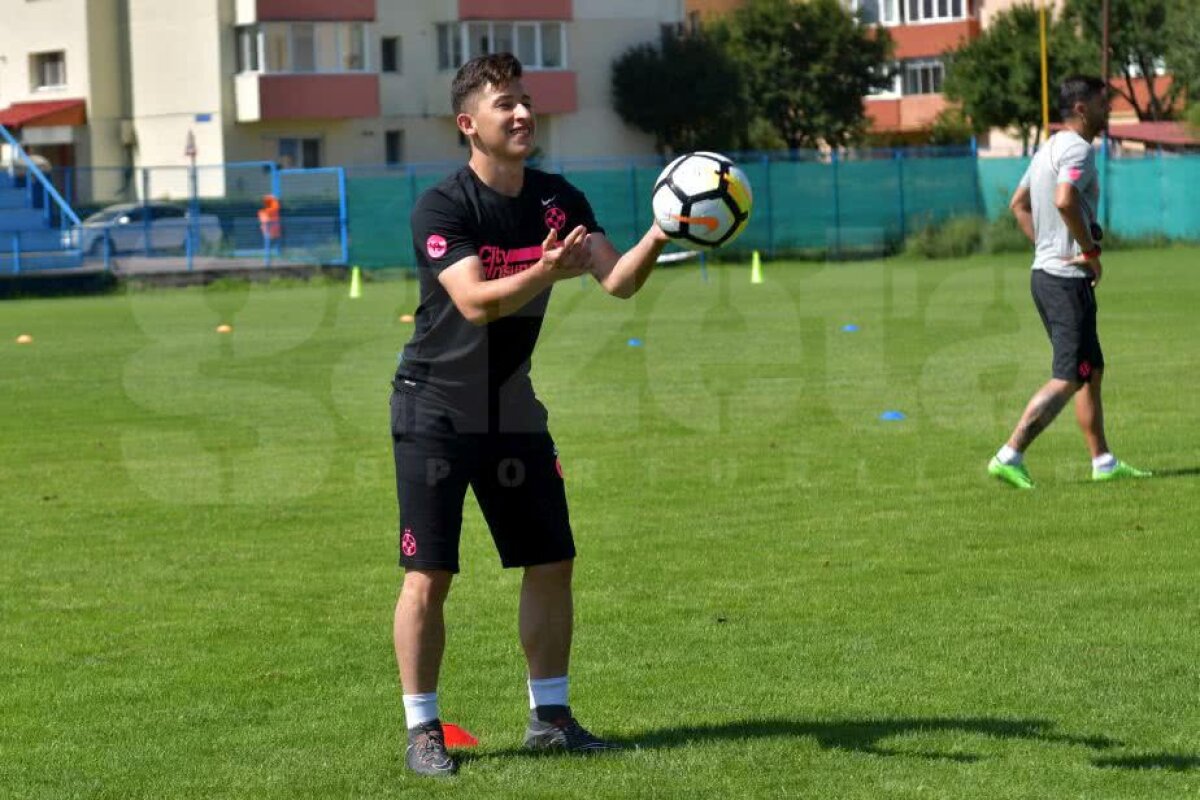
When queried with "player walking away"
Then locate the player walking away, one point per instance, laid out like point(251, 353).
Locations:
point(1055, 205)
point(491, 240)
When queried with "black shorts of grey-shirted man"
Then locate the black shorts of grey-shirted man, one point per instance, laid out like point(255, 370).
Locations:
point(426, 753)
point(553, 729)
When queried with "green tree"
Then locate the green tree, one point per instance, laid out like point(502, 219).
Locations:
point(997, 77)
point(950, 127)
point(1139, 33)
point(1183, 48)
point(807, 67)
point(684, 91)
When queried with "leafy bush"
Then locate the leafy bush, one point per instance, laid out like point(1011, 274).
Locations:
point(1003, 235)
point(953, 238)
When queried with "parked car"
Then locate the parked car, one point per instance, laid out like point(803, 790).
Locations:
point(133, 228)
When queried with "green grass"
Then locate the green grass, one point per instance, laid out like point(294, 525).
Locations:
point(778, 594)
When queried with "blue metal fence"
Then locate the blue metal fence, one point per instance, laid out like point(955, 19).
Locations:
point(182, 218)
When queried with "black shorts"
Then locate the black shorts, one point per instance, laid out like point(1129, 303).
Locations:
point(516, 477)
point(1068, 310)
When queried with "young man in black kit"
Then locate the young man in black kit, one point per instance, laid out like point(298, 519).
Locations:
point(491, 240)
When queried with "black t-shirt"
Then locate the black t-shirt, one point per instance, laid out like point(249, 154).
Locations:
point(480, 373)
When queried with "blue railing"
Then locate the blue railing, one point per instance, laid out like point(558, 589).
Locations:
point(68, 214)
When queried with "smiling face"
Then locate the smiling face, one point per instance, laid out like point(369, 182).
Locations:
point(499, 121)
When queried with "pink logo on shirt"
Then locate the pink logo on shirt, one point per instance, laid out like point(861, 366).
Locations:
point(435, 245)
point(556, 218)
point(1074, 173)
point(500, 263)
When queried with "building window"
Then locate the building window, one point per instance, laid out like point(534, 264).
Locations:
point(296, 153)
point(936, 10)
point(450, 50)
point(48, 70)
point(877, 12)
point(538, 45)
point(354, 47)
point(923, 77)
point(389, 54)
point(247, 49)
point(303, 47)
point(393, 147)
point(897, 86)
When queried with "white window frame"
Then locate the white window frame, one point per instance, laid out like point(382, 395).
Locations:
point(538, 26)
point(916, 65)
point(937, 17)
point(897, 7)
point(289, 68)
point(36, 67)
point(897, 87)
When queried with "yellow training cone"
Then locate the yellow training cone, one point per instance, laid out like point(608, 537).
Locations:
point(355, 283)
point(756, 268)
point(224, 329)
point(24, 338)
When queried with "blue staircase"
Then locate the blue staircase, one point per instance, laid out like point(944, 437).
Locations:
point(33, 220)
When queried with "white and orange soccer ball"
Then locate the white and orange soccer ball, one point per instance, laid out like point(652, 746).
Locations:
point(702, 200)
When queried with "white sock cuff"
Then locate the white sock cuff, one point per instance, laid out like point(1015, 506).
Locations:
point(548, 692)
point(1007, 455)
point(1104, 461)
point(420, 708)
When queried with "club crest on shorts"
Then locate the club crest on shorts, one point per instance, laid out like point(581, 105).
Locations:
point(435, 245)
point(408, 543)
point(556, 218)
point(1085, 369)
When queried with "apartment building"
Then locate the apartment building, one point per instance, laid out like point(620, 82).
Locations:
point(64, 79)
point(303, 83)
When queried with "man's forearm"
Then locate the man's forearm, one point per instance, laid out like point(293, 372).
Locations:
point(491, 300)
point(1072, 214)
point(1025, 223)
point(635, 264)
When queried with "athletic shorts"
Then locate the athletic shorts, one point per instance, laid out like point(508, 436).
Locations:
point(516, 478)
point(1067, 307)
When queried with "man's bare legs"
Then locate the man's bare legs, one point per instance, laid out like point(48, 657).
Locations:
point(1089, 411)
point(545, 619)
point(419, 629)
point(1042, 409)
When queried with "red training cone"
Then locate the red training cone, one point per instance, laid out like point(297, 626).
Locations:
point(458, 737)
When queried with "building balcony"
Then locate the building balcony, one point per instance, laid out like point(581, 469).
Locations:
point(515, 9)
point(251, 11)
point(903, 114)
point(932, 39)
point(553, 91)
point(265, 97)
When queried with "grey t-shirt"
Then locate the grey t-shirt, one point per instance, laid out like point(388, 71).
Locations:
point(1065, 158)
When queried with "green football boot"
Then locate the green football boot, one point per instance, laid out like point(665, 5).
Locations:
point(1015, 474)
point(1120, 471)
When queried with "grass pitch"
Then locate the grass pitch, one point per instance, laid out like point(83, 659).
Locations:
point(779, 593)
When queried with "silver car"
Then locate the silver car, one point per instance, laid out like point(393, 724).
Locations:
point(134, 228)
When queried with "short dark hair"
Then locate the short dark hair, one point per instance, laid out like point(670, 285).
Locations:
point(1077, 89)
point(497, 69)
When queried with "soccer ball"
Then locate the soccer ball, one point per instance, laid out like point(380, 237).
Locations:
point(702, 200)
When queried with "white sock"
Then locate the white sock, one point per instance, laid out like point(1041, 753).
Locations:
point(1104, 462)
point(1006, 455)
point(420, 708)
point(548, 692)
